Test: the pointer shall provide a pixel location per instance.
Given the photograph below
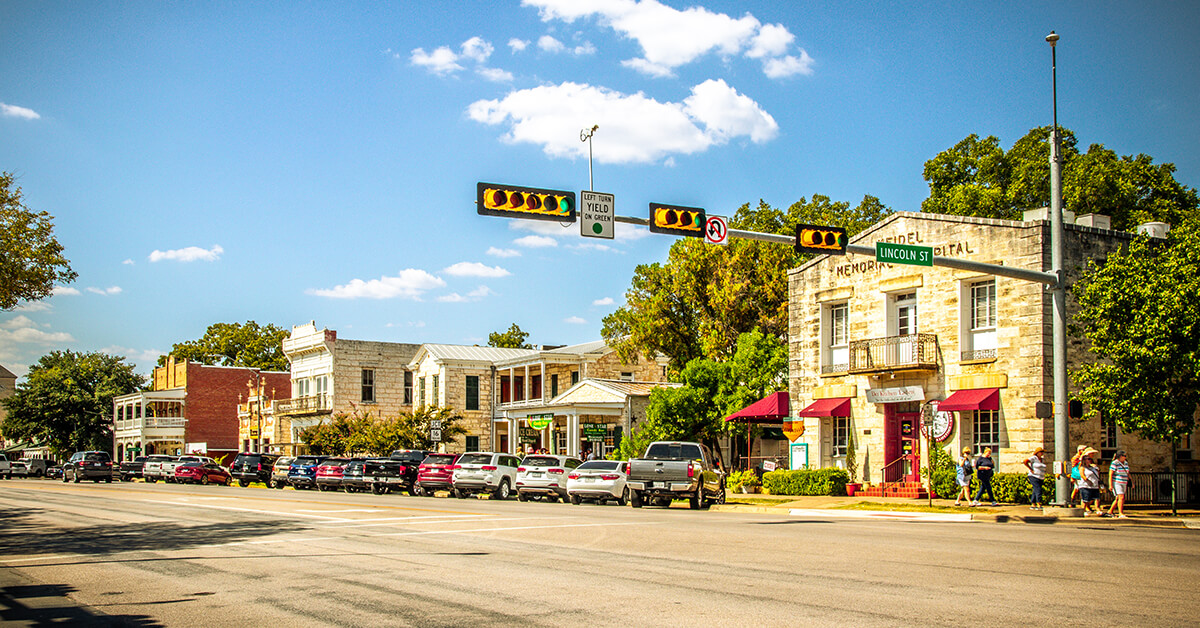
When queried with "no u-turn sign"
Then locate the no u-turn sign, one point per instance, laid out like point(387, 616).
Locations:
point(716, 230)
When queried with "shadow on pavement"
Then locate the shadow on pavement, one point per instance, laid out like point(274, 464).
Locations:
point(18, 608)
point(21, 533)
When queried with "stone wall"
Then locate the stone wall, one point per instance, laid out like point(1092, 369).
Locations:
point(388, 360)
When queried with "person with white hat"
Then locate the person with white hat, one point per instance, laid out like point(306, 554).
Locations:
point(1037, 472)
point(1089, 488)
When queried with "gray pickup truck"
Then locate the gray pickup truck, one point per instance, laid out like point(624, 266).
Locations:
point(675, 470)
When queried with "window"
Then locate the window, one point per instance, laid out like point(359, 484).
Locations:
point(979, 335)
point(574, 377)
point(841, 435)
point(1183, 448)
point(472, 400)
point(436, 392)
point(904, 314)
point(472, 443)
point(301, 386)
point(408, 387)
point(553, 385)
point(835, 350)
point(421, 391)
point(368, 386)
point(626, 376)
point(1108, 436)
point(986, 427)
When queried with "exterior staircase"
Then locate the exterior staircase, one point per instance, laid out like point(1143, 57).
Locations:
point(912, 490)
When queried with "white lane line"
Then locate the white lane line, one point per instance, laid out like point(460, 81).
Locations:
point(541, 527)
point(337, 525)
point(32, 558)
point(881, 514)
point(346, 510)
point(255, 510)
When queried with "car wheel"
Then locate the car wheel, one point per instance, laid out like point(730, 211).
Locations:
point(64, 478)
point(522, 497)
point(243, 483)
point(75, 477)
point(504, 491)
point(204, 479)
point(416, 491)
point(461, 494)
point(575, 500)
point(624, 498)
point(635, 499)
point(720, 496)
point(696, 500)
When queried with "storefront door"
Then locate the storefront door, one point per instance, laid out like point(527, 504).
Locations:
point(901, 444)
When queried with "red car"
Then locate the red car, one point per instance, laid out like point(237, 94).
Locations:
point(202, 473)
point(436, 473)
point(330, 472)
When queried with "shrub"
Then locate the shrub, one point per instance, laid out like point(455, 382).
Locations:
point(737, 479)
point(1010, 488)
point(806, 482)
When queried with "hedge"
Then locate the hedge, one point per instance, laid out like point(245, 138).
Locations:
point(1010, 488)
point(806, 482)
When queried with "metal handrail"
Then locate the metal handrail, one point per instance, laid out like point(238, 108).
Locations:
point(886, 482)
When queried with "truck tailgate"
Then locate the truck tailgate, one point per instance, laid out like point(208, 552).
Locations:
point(645, 470)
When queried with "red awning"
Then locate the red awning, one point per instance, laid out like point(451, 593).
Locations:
point(770, 409)
point(971, 399)
point(837, 406)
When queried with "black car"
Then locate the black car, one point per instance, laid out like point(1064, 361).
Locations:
point(411, 459)
point(251, 467)
point(132, 468)
point(385, 475)
point(353, 480)
point(303, 472)
point(88, 465)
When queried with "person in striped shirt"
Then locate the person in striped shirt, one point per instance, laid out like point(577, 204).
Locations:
point(1118, 483)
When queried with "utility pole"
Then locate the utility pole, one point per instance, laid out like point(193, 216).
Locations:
point(1058, 293)
point(586, 136)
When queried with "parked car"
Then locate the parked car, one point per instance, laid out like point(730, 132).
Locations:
point(672, 469)
point(202, 473)
point(34, 467)
point(253, 467)
point(279, 472)
point(302, 474)
point(436, 473)
point(329, 473)
point(54, 471)
point(544, 476)
point(18, 468)
point(152, 467)
point(411, 459)
point(5, 467)
point(353, 480)
point(90, 465)
point(485, 472)
point(130, 469)
point(599, 481)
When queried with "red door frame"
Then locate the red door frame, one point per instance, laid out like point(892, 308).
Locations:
point(901, 439)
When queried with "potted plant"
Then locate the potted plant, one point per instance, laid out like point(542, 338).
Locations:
point(851, 465)
point(743, 481)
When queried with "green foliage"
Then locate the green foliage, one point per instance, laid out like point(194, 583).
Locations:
point(66, 401)
point(31, 259)
point(1140, 310)
point(366, 434)
point(704, 297)
point(737, 479)
point(941, 458)
point(235, 344)
point(976, 177)
point(514, 338)
point(1010, 488)
point(945, 483)
point(806, 482)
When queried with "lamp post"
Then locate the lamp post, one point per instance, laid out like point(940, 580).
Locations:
point(1058, 293)
point(586, 136)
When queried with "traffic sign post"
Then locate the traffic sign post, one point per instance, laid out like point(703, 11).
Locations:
point(435, 435)
point(889, 253)
point(596, 211)
point(716, 230)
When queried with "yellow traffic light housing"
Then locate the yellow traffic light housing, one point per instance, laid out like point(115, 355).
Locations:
point(821, 239)
point(511, 201)
point(677, 220)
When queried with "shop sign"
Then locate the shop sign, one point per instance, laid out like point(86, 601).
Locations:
point(941, 424)
point(594, 431)
point(793, 429)
point(528, 435)
point(540, 421)
point(895, 394)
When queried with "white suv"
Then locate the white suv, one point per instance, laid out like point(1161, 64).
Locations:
point(485, 472)
point(544, 476)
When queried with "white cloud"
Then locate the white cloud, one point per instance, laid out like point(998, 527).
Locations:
point(495, 75)
point(536, 242)
point(137, 355)
point(634, 128)
point(106, 292)
point(22, 330)
point(475, 269)
point(188, 254)
point(586, 48)
point(603, 302)
point(128, 262)
point(441, 61)
point(477, 48)
point(410, 283)
point(408, 324)
point(518, 45)
point(64, 291)
point(592, 246)
point(550, 44)
point(13, 111)
point(453, 297)
point(474, 295)
point(574, 320)
point(495, 252)
point(670, 37)
point(480, 292)
point(33, 306)
point(788, 66)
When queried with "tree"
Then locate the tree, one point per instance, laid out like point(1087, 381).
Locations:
point(704, 297)
point(66, 401)
point(1140, 310)
point(31, 259)
point(248, 345)
point(514, 338)
point(363, 433)
point(976, 177)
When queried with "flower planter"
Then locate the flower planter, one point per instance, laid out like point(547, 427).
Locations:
point(852, 488)
point(749, 489)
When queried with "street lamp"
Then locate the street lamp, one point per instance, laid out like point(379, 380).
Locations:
point(1059, 292)
point(586, 136)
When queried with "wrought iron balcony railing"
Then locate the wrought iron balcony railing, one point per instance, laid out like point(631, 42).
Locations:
point(895, 353)
point(312, 404)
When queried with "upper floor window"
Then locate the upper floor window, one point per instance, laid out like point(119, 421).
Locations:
point(322, 384)
point(368, 386)
point(408, 388)
point(627, 376)
point(472, 392)
point(835, 334)
point(421, 391)
point(979, 330)
point(436, 390)
point(553, 385)
point(1108, 435)
point(1183, 448)
point(574, 377)
point(302, 387)
point(903, 314)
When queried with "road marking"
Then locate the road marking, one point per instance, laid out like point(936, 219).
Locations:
point(255, 510)
point(345, 510)
point(337, 525)
point(25, 560)
point(542, 527)
point(881, 514)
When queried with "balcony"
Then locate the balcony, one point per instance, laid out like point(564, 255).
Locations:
point(312, 404)
point(150, 425)
point(915, 352)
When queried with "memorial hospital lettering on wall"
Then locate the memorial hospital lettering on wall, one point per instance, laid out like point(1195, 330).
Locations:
point(952, 249)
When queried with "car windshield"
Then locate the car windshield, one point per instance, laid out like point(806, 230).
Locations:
point(248, 459)
point(475, 459)
point(304, 461)
point(283, 462)
point(439, 459)
point(191, 465)
point(600, 465)
point(98, 456)
point(673, 451)
point(408, 456)
point(540, 461)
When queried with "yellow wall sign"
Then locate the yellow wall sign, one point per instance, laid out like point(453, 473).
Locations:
point(793, 429)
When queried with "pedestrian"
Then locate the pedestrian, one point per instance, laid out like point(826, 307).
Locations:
point(1119, 482)
point(962, 473)
point(1076, 482)
point(1037, 473)
point(984, 465)
point(1089, 482)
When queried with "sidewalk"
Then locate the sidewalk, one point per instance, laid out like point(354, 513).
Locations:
point(890, 507)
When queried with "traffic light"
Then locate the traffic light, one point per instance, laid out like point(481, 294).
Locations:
point(494, 199)
point(676, 220)
point(818, 239)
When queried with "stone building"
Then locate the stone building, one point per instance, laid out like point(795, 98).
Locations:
point(870, 342)
point(259, 430)
point(8, 386)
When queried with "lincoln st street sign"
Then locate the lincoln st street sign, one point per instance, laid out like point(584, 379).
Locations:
point(889, 253)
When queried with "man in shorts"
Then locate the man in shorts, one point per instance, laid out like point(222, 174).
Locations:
point(1118, 483)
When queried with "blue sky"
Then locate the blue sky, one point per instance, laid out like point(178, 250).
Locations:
point(287, 162)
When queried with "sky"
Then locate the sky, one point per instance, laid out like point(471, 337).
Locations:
point(317, 161)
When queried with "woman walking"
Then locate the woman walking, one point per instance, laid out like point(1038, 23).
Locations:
point(963, 473)
point(984, 465)
point(1118, 483)
point(1089, 482)
point(1037, 472)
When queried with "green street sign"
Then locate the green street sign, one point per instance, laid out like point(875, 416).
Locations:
point(888, 253)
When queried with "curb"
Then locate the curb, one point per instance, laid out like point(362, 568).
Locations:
point(901, 515)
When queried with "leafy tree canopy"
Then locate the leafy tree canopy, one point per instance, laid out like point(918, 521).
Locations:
point(1140, 310)
point(364, 433)
point(235, 344)
point(699, 301)
point(31, 259)
point(514, 338)
point(66, 401)
point(976, 177)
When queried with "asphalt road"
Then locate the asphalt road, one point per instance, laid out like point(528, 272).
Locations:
point(168, 555)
